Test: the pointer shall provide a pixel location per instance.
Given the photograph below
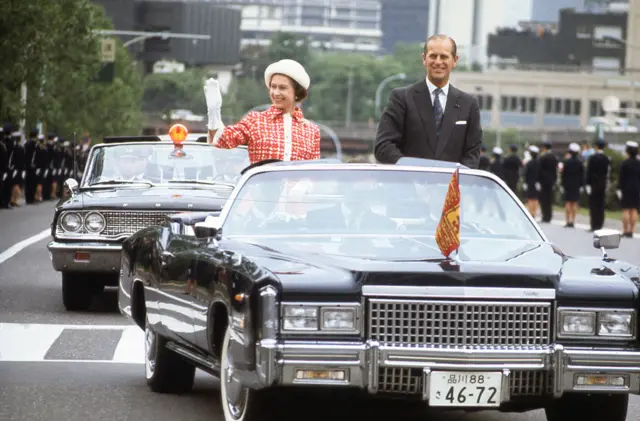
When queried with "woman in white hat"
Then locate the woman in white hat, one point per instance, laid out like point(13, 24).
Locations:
point(628, 190)
point(280, 132)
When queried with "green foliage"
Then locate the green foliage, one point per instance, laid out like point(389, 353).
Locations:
point(51, 48)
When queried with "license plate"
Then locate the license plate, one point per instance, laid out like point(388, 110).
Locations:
point(465, 388)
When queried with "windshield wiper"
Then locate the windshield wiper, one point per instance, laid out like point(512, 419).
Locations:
point(210, 183)
point(108, 182)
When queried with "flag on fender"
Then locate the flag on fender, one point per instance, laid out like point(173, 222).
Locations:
point(448, 231)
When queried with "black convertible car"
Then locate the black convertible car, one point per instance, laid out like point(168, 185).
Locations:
point(130, 183)
point(323, 274)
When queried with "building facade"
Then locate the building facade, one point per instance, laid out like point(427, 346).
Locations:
point(588, 41)
point(403, 21)
point(545, 100)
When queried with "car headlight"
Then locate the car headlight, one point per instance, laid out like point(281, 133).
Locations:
point(71, 222)
point(596, 322)
point(330, 318)
point(615, 324)
point(94, 222)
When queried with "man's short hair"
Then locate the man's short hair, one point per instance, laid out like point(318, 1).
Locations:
point(442, 37)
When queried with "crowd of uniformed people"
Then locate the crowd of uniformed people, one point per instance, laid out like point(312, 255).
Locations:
point(541, 172)
point(34, 167)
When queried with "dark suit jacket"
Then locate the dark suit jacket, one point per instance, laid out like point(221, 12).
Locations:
point(407, 127)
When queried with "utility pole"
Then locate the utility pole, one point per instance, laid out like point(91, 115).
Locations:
point(347, 121)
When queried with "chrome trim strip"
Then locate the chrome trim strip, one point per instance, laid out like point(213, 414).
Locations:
point(459, 292)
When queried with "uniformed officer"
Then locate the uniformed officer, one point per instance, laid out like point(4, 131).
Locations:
point(42, 162)
point(572, 180)
point(598, 176)
point(629, 189)
point(4, 168)
point(511, 166)
point(547, 177)
point(483, 162)
point(18, 168)
point(531, 185)
point(30, 166)
point(496, 162)
point(47, 177)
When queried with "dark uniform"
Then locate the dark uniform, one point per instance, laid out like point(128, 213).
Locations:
point(512, 166)
point(547, 177)
point(17, 165)
point(531, 175)
point(629, 185)
point(42, 162)
point(30, 167)
point(4, 168)
point(572, 180)
point(598, 175)
point(483, 161)
point(496, 163)
point(47, 179)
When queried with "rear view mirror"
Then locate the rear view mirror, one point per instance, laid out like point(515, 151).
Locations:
point(606, 239)
point(210, 228)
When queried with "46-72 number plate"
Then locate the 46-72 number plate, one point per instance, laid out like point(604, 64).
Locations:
point(465, 388)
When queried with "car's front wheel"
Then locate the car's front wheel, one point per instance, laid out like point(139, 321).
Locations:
point(165, 371)
point(587, 407)
point(239, 403)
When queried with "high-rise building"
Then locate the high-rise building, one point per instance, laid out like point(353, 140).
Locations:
point(403, 21)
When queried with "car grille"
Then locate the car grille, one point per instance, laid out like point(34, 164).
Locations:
point(458, 323)
point(409, 381)
point(122, 222)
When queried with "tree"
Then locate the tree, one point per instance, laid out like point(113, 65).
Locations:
point(51, 47)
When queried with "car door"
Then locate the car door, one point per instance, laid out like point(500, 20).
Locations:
point(176, 304)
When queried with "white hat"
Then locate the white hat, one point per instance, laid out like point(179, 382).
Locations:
point(497, 150)
point(534, 149)
point(290, 68)
point(574, 147)
point(631, 144)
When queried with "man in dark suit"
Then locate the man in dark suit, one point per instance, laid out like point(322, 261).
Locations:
point(431, 119)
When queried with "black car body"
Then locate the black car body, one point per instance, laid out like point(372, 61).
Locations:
point(289, 294)
point(109, 204)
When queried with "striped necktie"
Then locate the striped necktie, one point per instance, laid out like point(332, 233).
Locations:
point(437, 110)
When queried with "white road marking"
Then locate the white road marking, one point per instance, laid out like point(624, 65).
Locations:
point(20, 342)
point(585, 227)
point(16, 248)
point(130, 349)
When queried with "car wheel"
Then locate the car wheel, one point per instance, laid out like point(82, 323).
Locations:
point(76, 292)
point(239, 403)
point(586, 407)
point(165, 371)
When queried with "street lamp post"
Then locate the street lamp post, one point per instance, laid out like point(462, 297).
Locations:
point(327, 129)
point(142, 35)
point(382, 84)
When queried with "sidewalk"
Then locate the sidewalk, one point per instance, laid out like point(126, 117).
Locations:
point(582, 222)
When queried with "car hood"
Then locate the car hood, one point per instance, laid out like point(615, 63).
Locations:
point(480, 263)
point(147, 198)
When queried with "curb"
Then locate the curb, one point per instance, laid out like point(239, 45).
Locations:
point(585, 227)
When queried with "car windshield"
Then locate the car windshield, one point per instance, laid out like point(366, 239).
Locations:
point(155, 163)
point(303, 208)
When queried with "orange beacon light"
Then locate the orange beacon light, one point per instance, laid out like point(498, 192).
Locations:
point(178, 133)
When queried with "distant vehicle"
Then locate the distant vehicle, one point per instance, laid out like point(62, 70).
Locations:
point(131, 183)
point(616, 125)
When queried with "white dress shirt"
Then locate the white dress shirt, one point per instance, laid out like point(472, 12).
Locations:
point(443, 95)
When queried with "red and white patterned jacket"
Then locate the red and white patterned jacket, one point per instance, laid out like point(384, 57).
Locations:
point(271, 134)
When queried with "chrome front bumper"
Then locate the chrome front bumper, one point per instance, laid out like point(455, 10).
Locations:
point(85, 256)
point(278, 363)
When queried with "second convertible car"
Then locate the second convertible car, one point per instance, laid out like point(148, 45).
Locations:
point(131, 183)
point(321, 274)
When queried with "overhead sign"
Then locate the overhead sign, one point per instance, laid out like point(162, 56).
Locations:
point(108, 50)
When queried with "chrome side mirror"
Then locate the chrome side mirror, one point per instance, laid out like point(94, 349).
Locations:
point(210, 228)
point(70, 186)
point(605, 239)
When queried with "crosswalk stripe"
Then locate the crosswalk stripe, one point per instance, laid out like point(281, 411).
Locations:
point(21, 342)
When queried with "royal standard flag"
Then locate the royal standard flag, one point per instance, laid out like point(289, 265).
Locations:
point(448, 231)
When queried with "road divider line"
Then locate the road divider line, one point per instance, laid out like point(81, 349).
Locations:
point(585, 227)
point(16, 248)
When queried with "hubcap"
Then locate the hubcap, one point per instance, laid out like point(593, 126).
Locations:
point(149, 351)
point(237, 394)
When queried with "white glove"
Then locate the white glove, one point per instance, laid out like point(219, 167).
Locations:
point(214, 103)
point(4, 176)
point(619, 194)
point(46, 173)
point(37, 171)
point(538, 187)
point(24, 175)
point(524, 186)
point(588, 189)
point(15, 173)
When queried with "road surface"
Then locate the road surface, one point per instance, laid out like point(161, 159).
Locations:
point(56, 365)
